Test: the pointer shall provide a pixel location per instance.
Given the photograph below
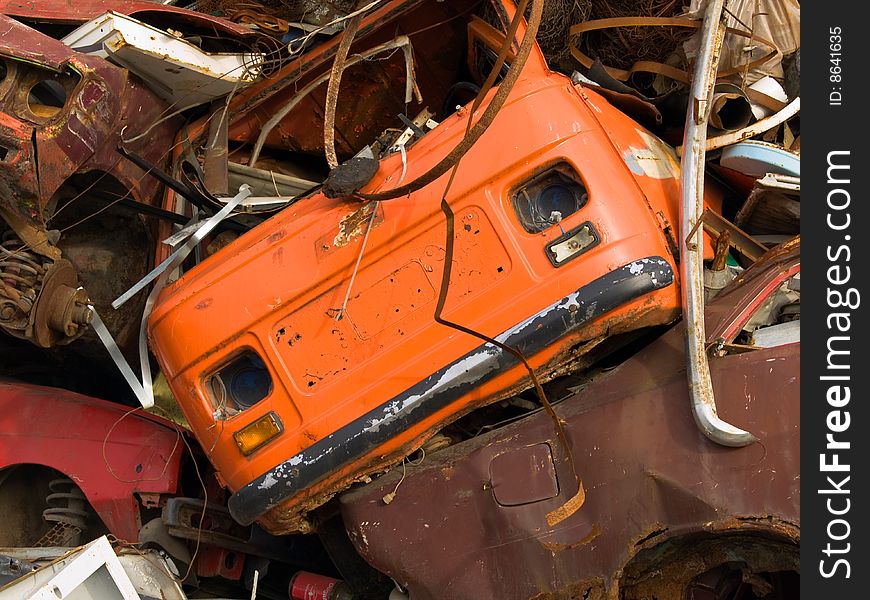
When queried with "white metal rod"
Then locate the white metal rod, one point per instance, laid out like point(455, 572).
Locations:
point(692, 247)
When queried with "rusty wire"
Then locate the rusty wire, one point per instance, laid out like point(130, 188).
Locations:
point(572, 504)
point(333, 87)
point(204, 508)
point(473, 133)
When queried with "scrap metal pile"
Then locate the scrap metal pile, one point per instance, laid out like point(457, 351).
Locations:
point(399, 299)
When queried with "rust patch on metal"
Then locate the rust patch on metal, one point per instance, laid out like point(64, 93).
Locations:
point(646, 504)
point(354, 225)
point(555, 547)
point(291, 516)
point(669, 569)
point(59, 154)
point(278, 257)
point(643, 539)
point(569, 508)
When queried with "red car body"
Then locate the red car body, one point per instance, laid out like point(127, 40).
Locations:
point(111, 453)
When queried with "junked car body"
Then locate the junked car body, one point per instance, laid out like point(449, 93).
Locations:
point(74, 467)
point(100, 458)
point(77, 219)
point(307, 355)
point(668, 513)
point(62, 116)
point(307, 362)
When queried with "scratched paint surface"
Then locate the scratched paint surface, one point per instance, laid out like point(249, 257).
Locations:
point(385, 305)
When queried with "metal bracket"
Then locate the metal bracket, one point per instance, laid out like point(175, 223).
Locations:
point(741, 241)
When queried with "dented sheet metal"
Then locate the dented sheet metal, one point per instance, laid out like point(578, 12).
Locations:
point(654, 483)
point(81, 134)
point(448, 384)
point(75, 433)
point(288, 317)
point(62, 114)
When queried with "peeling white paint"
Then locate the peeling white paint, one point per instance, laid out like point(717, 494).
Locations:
point(469, 368)
point(268, 482)
point(656, 159)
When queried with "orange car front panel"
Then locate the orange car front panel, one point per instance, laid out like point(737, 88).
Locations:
point(356, 393)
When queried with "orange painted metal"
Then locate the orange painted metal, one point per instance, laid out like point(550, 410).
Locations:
point(277, 290)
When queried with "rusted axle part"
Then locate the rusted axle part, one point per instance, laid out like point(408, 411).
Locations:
point(691, 242)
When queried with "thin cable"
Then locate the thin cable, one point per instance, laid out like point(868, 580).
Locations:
point(178, 112)
point(471, 6)
point(296, 55)
point(119, 198)
point(126, 195)
point(165, 116)
point(282, 112)
point(180, 435)
point(390, 496)
point(341, 311)
point(175, 425)
point(112, 471)
point(577, 500)
point(86, 190)
point(204, 508)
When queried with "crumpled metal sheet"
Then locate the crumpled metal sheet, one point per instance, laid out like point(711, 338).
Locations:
point(472, 523)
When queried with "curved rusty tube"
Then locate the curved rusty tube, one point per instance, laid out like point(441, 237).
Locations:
point(692, 246)
point(765, 124)
point(756, 128)
point(332, 89)
point(268, 126)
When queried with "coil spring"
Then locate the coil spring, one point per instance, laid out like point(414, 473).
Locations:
point(21, 273)
point(66, 504)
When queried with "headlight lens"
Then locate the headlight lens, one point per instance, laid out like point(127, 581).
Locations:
point(549, 197)
point(240, 384)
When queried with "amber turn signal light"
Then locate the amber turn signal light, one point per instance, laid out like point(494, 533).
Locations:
point(260, 432)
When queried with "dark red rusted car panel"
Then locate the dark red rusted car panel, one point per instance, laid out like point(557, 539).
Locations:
point(111, 455)
point(63, 115)
point(650, 475)
point(83, 134)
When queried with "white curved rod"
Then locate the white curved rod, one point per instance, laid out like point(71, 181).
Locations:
point(692, 249)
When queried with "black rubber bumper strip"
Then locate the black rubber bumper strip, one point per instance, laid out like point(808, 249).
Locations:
point(447, 385)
